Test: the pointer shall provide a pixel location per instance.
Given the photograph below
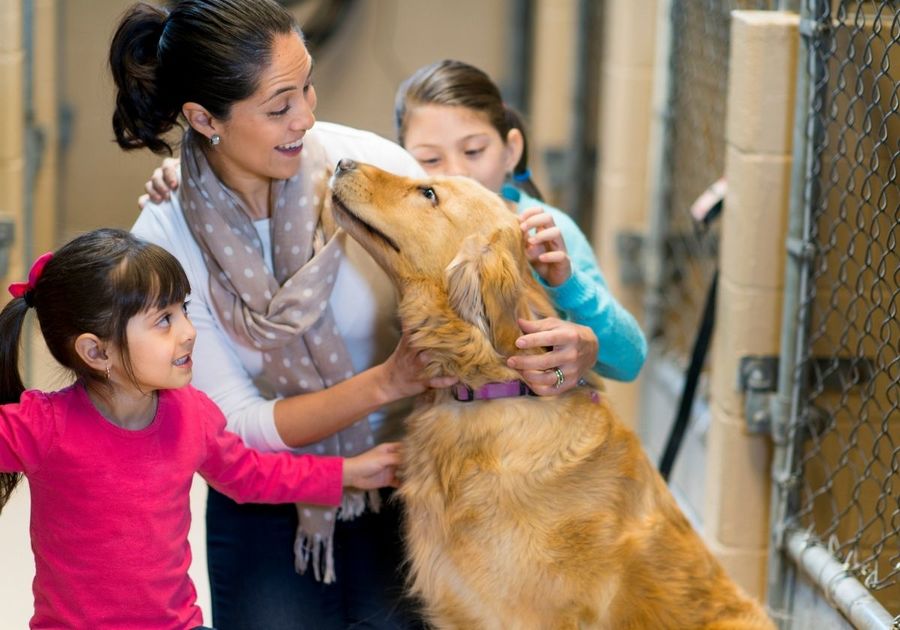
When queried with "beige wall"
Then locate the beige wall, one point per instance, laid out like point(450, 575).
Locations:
point(356, 76)
point(100, 183)
point(12, 157)
point(626, 90)
point(751, 283)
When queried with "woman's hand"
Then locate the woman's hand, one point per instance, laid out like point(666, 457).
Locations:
point(546, 249)
point(161, 184)
point(403, 373)
point(574, 353)
point(376, 468)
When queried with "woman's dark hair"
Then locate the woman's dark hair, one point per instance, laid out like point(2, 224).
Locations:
point(93, 284)
point(209, 52)
point(451, 82)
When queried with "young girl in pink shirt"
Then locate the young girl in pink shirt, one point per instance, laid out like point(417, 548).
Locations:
point(110, 459)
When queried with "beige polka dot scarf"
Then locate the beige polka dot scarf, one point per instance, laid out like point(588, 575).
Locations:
point(286, 314)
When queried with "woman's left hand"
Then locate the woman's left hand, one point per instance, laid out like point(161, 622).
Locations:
point(573, 353)
point(546, 249)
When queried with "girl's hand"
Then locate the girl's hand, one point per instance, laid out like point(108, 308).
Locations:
point(161, 184)
point(574, 352)
point(404, 373)
point(376, 468)
point(545, 249)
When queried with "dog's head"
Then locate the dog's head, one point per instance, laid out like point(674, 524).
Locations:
point(455, 253)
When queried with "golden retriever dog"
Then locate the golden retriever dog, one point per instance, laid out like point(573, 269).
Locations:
point(521, 512)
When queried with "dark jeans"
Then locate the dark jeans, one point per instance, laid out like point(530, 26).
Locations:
point(254, 585)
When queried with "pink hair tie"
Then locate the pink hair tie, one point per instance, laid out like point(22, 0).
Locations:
point(21, 289)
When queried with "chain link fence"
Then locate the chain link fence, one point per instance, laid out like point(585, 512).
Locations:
point(841, 481)
point(694, 159)
point(680, 259)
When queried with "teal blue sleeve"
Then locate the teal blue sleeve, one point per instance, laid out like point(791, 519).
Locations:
point(585, 299)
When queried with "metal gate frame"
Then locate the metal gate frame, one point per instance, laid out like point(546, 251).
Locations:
point(792, 547)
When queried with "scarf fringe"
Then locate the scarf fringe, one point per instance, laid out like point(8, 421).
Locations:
point(313, 548)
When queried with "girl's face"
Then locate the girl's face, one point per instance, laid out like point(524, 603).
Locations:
point(263, 137)
point(160, 342)
point(456, 140)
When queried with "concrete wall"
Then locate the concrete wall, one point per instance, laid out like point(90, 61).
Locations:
point(12, 148)
point(748, 318)
point(626, 91)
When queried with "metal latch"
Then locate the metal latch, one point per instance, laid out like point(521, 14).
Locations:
point(758, 379)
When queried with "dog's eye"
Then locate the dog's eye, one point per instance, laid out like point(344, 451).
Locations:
point(429, 194)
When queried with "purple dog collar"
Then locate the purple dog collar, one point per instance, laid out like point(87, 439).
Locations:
point(506, 389)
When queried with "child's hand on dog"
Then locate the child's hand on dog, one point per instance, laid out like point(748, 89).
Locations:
point(376, 468)
point(545, 248)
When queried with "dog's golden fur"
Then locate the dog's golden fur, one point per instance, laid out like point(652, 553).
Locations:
point(520, 512)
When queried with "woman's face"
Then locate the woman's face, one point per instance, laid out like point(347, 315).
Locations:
point(263, 137)
point(456, 140)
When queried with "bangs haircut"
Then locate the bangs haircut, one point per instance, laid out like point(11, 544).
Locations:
point(147, 278)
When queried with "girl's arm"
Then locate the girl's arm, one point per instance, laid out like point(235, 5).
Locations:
point(27, 432)
point(586, 301)
point(247, 475)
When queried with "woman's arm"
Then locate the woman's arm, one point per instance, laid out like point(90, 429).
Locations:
point(307, 418)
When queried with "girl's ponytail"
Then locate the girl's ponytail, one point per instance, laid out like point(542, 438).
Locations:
point(143, 110)
point(521, 173)
point(12, 320)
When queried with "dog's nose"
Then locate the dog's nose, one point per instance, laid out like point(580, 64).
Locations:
point(345, 165)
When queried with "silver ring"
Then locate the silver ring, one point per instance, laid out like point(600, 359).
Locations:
point(560, 378)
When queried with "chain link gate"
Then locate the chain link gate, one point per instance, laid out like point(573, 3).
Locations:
point(680, 257)
point(836, 475)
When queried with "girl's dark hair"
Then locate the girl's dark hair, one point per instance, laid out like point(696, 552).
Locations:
point(451, 82)
point(93, 284)
point(209, 52)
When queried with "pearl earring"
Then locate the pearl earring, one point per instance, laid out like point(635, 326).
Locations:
point(215, 139)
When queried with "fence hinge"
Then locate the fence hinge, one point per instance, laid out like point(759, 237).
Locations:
point(758, 380)
point(809, 27)
point(801, 250)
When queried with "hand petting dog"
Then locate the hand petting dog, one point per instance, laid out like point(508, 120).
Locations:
point(572, 350)
point(573, 347)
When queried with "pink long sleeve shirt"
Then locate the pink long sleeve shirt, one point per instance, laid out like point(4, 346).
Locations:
point(110, 507)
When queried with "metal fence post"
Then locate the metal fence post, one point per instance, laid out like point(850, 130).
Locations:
point(781, 574)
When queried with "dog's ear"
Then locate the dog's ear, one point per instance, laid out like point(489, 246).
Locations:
point(484, 285)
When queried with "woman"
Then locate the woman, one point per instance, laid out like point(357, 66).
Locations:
point(289, 320)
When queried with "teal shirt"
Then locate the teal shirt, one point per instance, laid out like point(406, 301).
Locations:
point(585, 298)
